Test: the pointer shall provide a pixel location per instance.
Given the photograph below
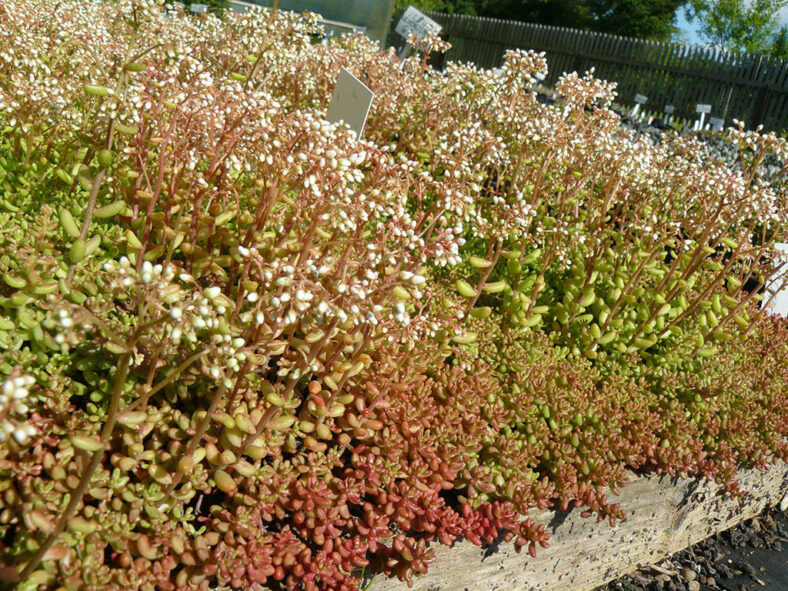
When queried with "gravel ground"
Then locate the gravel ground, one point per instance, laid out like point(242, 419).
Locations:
point(753, 555)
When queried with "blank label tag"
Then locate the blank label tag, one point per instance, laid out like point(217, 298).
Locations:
point(198, 8)
point(350, 102)
point(416, 22)
point(703, 108)
point(716, 123)
point(641, 99)
point(779, 304)
point(669, 109)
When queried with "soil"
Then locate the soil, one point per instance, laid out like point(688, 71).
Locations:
point(751, 556)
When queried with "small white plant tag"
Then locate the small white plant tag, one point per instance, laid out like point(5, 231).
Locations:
point(416, 22)
point(716, 123)
point(776, 288)
point(702, 109)
point(669, 109)
point(199, 8)
point(639, 100)
point(350, 102)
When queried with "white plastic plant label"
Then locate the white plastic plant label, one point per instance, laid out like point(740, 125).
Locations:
point(778, 288)
point(703, 110)
point(716, 123)
point(199, 8)
point(669, 109)
point(350, 102)
point(416, 22)
point(639, 100)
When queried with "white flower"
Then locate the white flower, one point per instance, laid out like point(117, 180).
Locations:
point(12, 394)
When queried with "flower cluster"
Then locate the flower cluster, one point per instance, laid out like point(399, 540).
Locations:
point(13, 410)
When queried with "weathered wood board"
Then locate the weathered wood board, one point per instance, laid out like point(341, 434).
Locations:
point(664, 515)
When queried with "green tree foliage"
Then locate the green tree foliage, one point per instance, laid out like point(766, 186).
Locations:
point(779, 46)
point(741, 25)
point(449, 6)
point(563, 13)
point(635, 18)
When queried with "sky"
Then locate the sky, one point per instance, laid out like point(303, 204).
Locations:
point(691, 34)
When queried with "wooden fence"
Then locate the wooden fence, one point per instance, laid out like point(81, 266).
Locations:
point(751, 88)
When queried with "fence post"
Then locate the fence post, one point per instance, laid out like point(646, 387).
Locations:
point(759, 105)
point(759, 108)
point(578, 65)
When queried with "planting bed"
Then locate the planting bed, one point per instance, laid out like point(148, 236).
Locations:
point(241, 348)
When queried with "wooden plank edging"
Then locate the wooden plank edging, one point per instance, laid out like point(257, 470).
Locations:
point(664, 515)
